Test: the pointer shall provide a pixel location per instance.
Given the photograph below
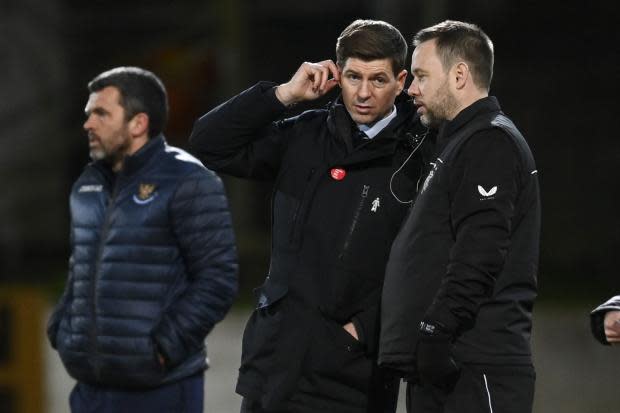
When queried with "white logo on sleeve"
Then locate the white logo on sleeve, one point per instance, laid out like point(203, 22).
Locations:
point(91, 188)
point(486, 193)
point(375, 204)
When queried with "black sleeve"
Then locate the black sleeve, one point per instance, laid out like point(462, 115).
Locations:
point(484, 188)
point(367, 326)
point(241, 137)
point(597, 318)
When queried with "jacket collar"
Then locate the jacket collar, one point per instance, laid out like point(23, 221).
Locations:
point(135, 162)
point(479, 107)
point(340, 124)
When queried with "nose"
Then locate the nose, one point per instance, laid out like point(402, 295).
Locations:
point(363, 92)
point(413, 89)
point(87, 123)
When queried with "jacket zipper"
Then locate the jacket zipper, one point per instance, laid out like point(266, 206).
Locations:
point(104, 231)
point(302, 201)
point(356, 218)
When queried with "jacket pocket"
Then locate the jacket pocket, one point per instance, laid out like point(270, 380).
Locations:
point(336, 358)
point(261, 332)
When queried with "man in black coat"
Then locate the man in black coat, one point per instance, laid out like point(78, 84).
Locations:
point(153, 263)
point(339, 199)
point(461, 278)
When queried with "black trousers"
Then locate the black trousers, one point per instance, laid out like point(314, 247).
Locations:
point(480, 389)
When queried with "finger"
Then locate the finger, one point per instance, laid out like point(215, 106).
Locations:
point(315, 79)
point(308, 72)
point(315, 72)
point(324, 78)
point(350, 328)
point(613, 327)
point(612, 333)
point(612, 336)
point(333, 69)
point(330, 84)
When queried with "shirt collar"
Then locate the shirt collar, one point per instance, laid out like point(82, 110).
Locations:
point(372, 131)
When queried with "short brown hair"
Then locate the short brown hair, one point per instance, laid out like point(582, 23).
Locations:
point(140, 91)
point(466, 41)
point(371, 40)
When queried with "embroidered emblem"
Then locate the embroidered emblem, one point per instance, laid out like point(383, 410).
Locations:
point(375, 204)
point(146, 193)
point(486, 193)
point(434, 167)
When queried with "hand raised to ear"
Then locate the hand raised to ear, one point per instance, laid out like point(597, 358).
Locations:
point(310, 81)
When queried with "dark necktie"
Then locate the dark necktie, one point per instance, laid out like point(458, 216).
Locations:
point(358, 138)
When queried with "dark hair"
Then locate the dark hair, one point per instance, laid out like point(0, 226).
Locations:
point(466, 41)
point(371, 40)
point(140, 92)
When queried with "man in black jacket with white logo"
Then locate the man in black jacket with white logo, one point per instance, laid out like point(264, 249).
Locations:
point(339, 199)
point(153, 262)
point(461, 278)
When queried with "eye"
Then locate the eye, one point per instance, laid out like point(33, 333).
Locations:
point(380, 81)
point(99, 112)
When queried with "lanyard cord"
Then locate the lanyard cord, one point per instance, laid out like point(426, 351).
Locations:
point(403, 165)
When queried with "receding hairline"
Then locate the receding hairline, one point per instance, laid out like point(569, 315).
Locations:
point(458, 41)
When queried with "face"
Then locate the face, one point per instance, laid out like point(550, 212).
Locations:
point(108, 134)
point(369, 88)
point(430, 88)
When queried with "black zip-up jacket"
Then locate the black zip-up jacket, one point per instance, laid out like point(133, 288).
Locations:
point(597, 318)
point(331, 236)
point(466, 257)
point(152, 269)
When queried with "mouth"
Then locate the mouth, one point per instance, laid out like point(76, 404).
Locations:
point(419, 106)
point(93, 140)
point(363, 109)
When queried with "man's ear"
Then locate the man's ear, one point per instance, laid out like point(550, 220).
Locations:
point(461, 75)
point(139, 125)
point(339, 74)
point(400, 78)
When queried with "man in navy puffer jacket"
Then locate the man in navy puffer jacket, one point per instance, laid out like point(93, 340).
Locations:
point(153, 263)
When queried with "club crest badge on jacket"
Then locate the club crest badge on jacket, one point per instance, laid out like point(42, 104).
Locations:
point(146, 193)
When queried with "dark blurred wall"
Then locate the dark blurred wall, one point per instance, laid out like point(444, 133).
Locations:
point(33, 83)
point(555, 75)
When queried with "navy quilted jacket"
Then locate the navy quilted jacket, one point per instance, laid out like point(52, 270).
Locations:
point(153, 268)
